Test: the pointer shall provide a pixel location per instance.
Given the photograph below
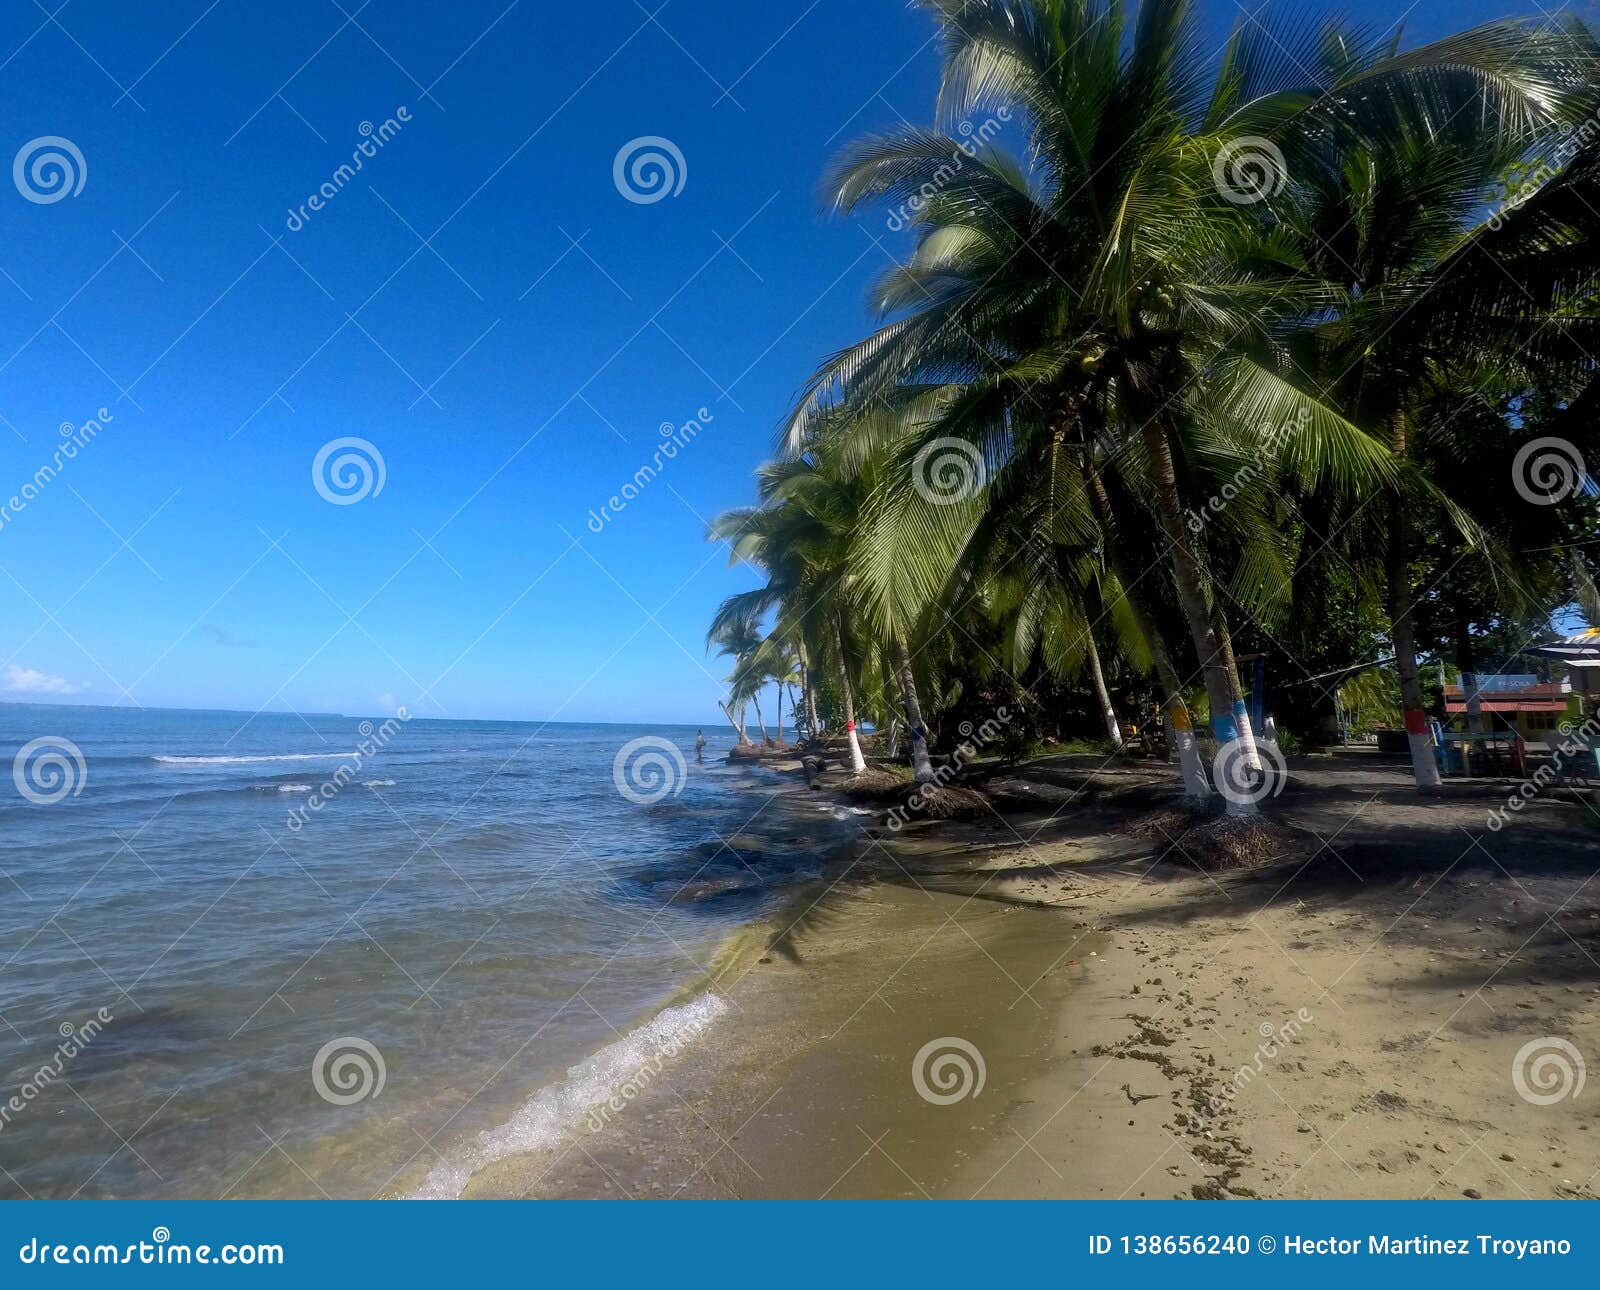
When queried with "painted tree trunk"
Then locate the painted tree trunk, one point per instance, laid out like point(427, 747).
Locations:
point(1423, 765)
point(1241, 710)
point(1098, 678)
point(858, 763)
point(921, 764)
point(1189, 580)
point(1175, 713)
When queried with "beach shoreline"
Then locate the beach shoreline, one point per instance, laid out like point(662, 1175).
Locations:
point(1342, 1022)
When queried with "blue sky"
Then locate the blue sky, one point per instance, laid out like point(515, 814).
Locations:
point(479, 302)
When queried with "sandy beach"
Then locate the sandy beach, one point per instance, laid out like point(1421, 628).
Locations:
point(1341, 1021)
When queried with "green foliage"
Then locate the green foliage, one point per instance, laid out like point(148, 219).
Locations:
point(1088, 293)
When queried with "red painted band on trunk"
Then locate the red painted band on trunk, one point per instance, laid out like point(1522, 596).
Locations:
point(1416, 721)
point(849, 725)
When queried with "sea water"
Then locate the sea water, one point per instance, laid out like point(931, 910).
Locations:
point(209, 987)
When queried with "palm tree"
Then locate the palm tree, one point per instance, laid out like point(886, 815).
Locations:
point(799, 537)
point(1102, 282)
point(1389, 212)
point(737, 637)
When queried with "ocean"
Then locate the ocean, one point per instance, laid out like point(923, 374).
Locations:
point(304, 956)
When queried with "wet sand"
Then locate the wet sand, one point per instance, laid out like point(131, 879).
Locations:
point(1343, 1022)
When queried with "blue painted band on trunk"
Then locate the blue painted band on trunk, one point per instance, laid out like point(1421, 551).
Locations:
point(1225, 728)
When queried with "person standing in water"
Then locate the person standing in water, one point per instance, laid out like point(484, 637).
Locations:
point(699, 745)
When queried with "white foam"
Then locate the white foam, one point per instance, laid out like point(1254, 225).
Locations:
point(241, 761)
point(560, 1109)
point(377, 783)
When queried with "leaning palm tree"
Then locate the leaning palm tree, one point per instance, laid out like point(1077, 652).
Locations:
point(739, 638)
point(799, 537)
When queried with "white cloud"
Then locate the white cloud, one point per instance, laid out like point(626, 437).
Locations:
point(29, 680)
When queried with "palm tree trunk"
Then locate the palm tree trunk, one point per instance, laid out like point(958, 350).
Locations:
point(1241, 710)
point(760, 720)
point(1423, 765)
point(1098, 678)
point(737, 728)
point(921, 764)
point(858, 763)
point(1190, 582)
point(779, 688)
point(1175, 713)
